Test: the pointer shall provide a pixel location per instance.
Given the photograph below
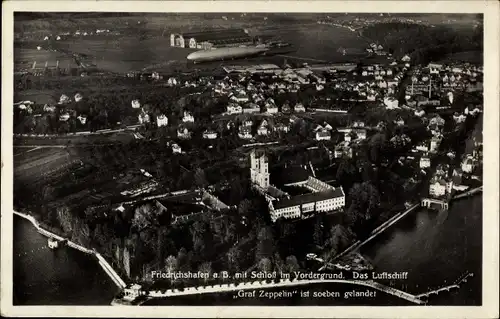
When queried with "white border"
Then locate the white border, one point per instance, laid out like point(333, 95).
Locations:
point(491, 134)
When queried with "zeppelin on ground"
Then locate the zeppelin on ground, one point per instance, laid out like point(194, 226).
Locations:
point(225, 53)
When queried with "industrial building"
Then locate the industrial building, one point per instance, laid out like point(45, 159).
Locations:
point(211, 39)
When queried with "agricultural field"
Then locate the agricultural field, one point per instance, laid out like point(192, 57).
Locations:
point(37, 163)
point(25, 56)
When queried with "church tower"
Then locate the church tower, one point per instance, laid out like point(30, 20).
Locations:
point(259, 168)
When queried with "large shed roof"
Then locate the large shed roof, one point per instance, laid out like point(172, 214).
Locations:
point(217, 35)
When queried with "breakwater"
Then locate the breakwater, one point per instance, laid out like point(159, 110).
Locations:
point(104, 264)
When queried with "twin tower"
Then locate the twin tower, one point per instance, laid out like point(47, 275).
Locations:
point(259, 168)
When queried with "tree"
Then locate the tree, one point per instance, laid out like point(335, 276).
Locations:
point(65, 218)
point(244, 207)
point(145, 216)
point(291, 264)
point(265, 245)
point(200, 179)
point(265, 265)
point(233, 258)
point(206, 268)
point(365, 201)
point(171, 264)
point(318, 236)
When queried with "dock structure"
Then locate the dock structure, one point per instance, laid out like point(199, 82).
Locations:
point(427, 202)
point(455, 285)
point(469, 193)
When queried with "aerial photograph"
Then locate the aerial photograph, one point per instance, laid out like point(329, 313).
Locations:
point(247, 159)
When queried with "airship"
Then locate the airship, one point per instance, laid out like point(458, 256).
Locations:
point(226, 54)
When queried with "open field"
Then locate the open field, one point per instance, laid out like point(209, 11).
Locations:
point(24, 58)
point(148, 46)
point(33, 165)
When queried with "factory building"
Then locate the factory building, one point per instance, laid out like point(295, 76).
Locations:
point(211, 39)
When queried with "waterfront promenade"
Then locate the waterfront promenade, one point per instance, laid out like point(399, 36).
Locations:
point(282, 283)
point(104, 264)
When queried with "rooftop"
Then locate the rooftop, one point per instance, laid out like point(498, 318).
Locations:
point(222, 34)
point(309, 198)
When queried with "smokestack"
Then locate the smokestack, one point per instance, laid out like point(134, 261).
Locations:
point(57, 64)
point(46, 64)
point(34, 64)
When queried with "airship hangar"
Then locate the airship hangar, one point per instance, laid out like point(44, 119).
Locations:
point(211, 39)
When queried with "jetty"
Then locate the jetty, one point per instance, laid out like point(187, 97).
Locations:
point(104, 264)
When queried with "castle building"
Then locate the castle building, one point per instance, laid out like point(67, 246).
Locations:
point(259, 169)
point(323, 197)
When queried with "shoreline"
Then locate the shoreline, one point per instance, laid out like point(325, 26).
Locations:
point(102, 262)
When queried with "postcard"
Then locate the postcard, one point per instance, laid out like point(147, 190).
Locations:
point(250, 159)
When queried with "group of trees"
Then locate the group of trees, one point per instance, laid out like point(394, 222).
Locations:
point(424, 43)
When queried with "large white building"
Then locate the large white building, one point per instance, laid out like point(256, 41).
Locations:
point(303, 205)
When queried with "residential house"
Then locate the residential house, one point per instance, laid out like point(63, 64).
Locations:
point(323, 135)
point(233, 108)
point(209, 134)
point(299, 108)
point(437, 187)
point(176, 149)
point(251, 108)
point(459, 118)
point(358, 124)
point(391, 103)
point(425, 162)
point(82, 118)
point(422, 147)
point(188, 117)
point(49, 108)
point(143, 117)
point(136, 104)
point(399, 121)
point(161, 120)
point(245, 132)
point(263, 128)
point(271, 109)
point(360, 133)
point(435, 141)
point(183, 132)
point(64, 117)
point(468, 164)
point(406, 58)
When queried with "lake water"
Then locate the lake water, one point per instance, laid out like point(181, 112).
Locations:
point(435, 248)
point(61, 277)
